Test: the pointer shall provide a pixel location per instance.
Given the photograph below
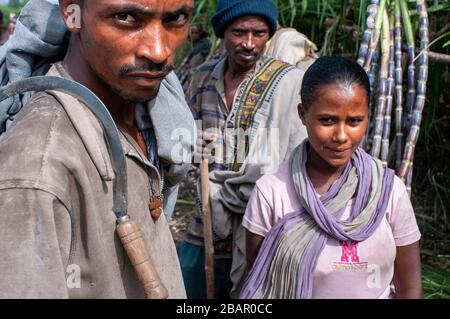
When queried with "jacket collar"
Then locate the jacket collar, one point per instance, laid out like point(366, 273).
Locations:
point(87, 126)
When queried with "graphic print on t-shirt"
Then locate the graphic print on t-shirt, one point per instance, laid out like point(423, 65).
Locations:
point(350, 258)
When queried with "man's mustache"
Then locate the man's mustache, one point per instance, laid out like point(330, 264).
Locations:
point(147, 67)
point(245, 51)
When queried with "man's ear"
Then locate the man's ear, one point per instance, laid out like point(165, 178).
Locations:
point(301, 112)
point(71, 12)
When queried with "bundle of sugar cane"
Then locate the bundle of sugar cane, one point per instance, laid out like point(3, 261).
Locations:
point(386, 19)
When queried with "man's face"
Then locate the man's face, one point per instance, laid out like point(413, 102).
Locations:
point(130, 44)
point(196, 33)
point(245, 40)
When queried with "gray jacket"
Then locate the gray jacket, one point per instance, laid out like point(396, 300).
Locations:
point(57, 228)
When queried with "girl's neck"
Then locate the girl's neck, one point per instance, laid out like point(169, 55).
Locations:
point(321, 174)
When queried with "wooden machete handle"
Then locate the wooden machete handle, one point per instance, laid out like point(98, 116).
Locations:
point(131, 237)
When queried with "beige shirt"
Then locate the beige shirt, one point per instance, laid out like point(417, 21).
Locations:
point(57, 227)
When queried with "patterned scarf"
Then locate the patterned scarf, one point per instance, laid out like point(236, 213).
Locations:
point(254, 93)
point(288, 256)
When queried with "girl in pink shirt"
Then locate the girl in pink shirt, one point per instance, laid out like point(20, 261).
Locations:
point(332, 222)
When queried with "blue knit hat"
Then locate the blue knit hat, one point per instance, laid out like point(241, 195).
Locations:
point(229, 10)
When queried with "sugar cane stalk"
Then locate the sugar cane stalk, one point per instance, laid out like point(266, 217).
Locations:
point(422, 81)
point(382, 86)
point(375, 35)
point(374, 70)
point(411, 68)
point(367, 35)
point(416, 118)
point(389, 94)
point(398, 87)
point(369, 57)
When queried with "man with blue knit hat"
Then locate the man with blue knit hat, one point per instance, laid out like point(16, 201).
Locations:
point(245, 105)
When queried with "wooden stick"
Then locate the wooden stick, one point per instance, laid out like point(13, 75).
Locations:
point(440, 58)
point(207, 229)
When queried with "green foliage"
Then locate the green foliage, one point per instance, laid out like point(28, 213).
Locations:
point(444, 36)
point(7, 11)
point(16, 4)
point(436, 283)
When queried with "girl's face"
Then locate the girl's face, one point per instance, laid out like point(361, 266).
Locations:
point(336, 122)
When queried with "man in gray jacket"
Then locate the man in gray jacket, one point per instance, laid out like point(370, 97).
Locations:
point(57, 227)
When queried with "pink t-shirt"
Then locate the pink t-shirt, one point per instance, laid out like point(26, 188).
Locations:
point(344, 269)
